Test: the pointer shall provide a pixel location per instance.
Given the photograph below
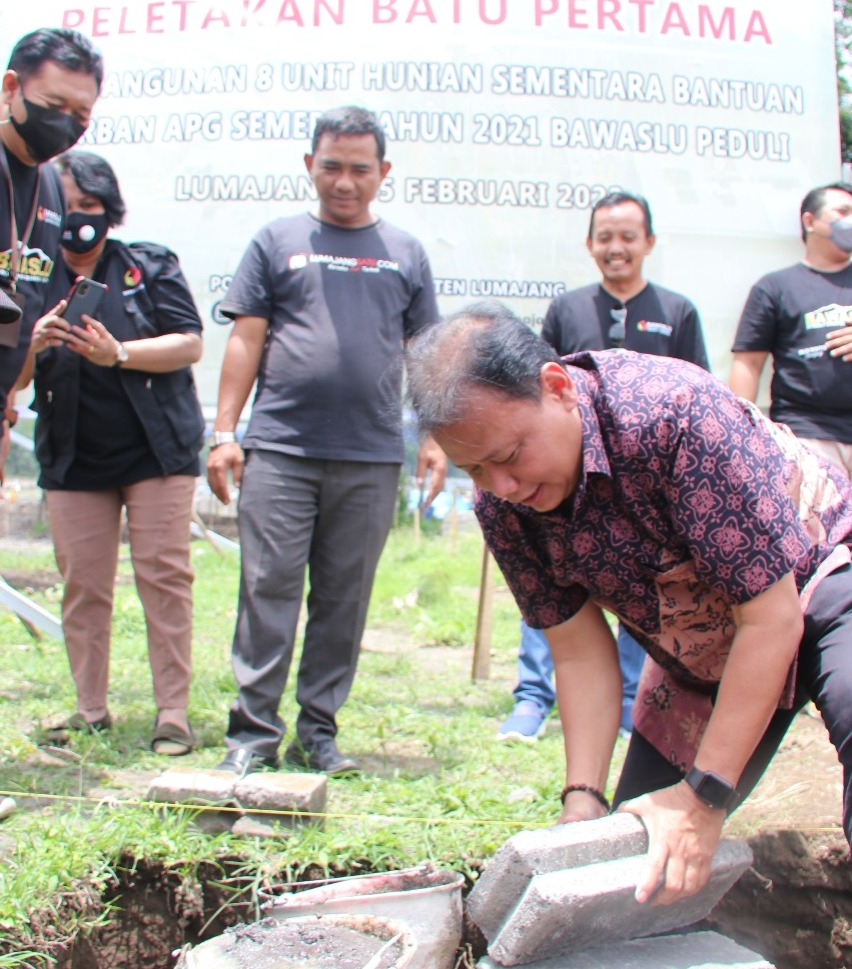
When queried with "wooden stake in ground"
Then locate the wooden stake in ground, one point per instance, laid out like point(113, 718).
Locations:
point(482, 643)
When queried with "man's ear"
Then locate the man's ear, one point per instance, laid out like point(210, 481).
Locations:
point(384, 168)
point(10, 84)
point(309, 163)
point(555, 382)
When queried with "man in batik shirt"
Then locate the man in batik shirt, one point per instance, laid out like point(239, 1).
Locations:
point(645, 487)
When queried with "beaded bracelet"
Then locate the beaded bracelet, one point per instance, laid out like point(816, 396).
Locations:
point(596, 794)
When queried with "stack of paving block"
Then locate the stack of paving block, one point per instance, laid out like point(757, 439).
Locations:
point(563, 898)
point(258, 805)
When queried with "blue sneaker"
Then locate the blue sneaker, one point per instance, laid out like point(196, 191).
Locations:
point(525, 724)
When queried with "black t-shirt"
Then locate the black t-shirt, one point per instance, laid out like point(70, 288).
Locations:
point(789, 314)
point(658, 321)
point(339, 303)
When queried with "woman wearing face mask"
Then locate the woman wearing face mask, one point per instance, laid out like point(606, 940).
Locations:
point(119, 425)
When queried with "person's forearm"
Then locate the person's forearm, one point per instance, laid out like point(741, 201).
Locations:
point(162, 354)
point(239, 371)
point(763, 649)
point(588, 690)
point(744, 378)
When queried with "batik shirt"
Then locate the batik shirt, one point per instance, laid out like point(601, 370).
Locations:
point(689, 503)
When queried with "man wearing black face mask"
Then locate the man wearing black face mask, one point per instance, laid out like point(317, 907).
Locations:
point(46, 99)
point(802, 315)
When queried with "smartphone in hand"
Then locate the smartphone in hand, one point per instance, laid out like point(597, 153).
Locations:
point(84, 297)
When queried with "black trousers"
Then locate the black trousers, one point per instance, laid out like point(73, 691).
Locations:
point(824, 676)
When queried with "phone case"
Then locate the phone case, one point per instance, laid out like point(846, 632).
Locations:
point(85, 297)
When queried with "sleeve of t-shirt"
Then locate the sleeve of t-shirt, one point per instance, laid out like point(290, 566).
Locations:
point(690, 344)
point(172, 298)
point(423, 308)
point(757, 326)
point(250, 292)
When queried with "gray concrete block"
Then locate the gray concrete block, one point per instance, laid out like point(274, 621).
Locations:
point(696, 950)
point(193, 785)
point(282, 792)
point(577, 908)
point(530, 853)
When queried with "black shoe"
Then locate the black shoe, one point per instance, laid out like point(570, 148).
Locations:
point(322, 756)
point(242, 761)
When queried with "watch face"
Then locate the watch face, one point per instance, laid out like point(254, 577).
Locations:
point(715, 791)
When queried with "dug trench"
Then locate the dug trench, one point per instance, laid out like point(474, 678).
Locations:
point(794, 907)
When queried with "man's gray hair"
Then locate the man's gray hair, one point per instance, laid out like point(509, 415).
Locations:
point(484, 345)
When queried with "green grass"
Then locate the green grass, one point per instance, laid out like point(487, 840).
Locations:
point(436, 785)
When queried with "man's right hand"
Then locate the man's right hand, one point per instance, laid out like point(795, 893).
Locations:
point(221, 460)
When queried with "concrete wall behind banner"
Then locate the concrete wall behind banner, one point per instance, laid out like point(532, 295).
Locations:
point(506, 119)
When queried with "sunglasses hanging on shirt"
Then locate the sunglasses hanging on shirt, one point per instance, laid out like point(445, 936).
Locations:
point(617, 330)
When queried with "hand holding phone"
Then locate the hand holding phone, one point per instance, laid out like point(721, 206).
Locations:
point(84, 297)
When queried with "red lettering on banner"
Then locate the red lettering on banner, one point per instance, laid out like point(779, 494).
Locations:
point(574, 13)
point(608, 10)
point(641, 4)
point(154, 18)
point(290, 11)
point(757, 27)
point(675, 19)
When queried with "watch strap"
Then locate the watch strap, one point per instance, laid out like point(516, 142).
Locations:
point(712, 789)
point(218, 438)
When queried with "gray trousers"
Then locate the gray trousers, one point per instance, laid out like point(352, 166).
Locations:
point(331, 517)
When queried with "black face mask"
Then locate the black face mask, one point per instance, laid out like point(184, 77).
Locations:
point(84, 231)
point(47, 131)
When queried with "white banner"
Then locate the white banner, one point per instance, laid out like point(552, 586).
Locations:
point(506, 120)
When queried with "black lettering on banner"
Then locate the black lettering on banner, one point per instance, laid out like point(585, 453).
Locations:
point(263, 77)
point(123, 130)
point(477, 191)
point(186, 127)
point(773, 146)
point(500, 129)
point(581, 196)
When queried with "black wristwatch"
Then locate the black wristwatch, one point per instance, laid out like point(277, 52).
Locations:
point(712, 789)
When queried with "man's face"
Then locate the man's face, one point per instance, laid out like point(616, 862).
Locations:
point(347, 174)
point(70, 92)
point(837, 205)
point(618, 243)
point(524, 451)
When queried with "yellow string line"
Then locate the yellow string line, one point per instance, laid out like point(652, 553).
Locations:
point(233, 809)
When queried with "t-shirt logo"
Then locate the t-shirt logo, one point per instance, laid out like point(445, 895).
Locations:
point(44, 214)
point(298, 261)
point(828, 316)
point(647, 326)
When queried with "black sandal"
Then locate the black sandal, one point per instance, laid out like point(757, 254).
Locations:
point(171, 740)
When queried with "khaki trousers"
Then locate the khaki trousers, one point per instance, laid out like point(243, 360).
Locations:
point(86, 527)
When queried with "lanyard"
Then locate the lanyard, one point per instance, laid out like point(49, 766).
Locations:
point(15, 252)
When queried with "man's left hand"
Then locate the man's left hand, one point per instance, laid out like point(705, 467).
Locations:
point(839, 343)
point(682, 835)
point(431, 459)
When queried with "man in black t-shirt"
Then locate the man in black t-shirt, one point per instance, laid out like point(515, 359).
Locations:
point(802, 315)
point(622, 310)
point(46, 99)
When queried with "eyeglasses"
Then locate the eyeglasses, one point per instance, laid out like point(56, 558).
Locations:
point(616, 332)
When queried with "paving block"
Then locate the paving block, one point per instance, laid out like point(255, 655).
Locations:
point(695, 950)
point(193, 785)
point(578, 908)
point(302, 793)
point(292, 797)
point(530, 853)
